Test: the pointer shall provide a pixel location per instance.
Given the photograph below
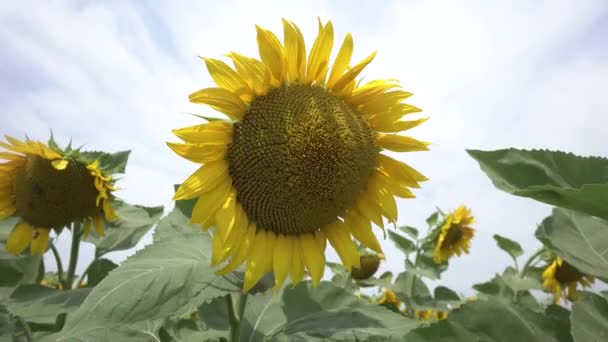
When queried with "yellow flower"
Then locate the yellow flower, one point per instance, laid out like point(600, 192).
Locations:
point(430, 314)
point(297, 163)
point(455, 235)
point(561, 279)
point(389, 297)
point(48, 189)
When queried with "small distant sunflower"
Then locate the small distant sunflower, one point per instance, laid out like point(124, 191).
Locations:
point(49, 189)
point(561, 279)
point(298, 161)
point(430, 314)
point(455, 235)
point(389, 297)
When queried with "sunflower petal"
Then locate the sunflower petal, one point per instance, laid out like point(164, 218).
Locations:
point(60, 164)
point(40, 241)
point(400, 143)
point(235, 235)
point(318, 60)
point(342, 61)
point(109, 212)
point(222, 100)
point(242, 253)
point(362, 230)
point(258, 259)
point(20, 238)
point(313, 257)
point(271, 53)
point(342, 243)
point(350, 75)
point(400, 171)
point(207, 205)
point(98, 225)
point(254, 72)
point(301, 52)
point(228, 79)
point(368, 207)
point(202, 180)
point(296, 270)
point(282, 259)
point(215, 132)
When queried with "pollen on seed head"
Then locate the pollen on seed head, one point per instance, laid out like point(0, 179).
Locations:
point(299, 158)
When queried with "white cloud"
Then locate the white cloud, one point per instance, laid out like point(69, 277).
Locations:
point(490, 75)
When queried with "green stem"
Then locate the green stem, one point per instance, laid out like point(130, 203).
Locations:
point(233, 320)
point(526, 267)
point(409, 309)
point(74, 249)
point(26, 329)
point(60, 274)
point(242, 304)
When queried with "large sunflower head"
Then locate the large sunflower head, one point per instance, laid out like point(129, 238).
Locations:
point(562, 279)
point(298, 161)
point(49, 188)
point(455, 235)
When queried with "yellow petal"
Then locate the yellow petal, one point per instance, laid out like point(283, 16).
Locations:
point(202, 180)
point(87, 228)
point(370, 91)
point(221, 100)
point(20, 238)
point(362, 230)
point(369, 208)
point(399, 143)
point(296, 270)
point(271, 53)
point(321, 240)
point(384, 198)
point(98, 224)
point(205, 208)
point(350, 75)
point(40, 241)
point(301, 53)
point(109, 212)
point(253, 71)
point(397, 125)
point(282, 259)
point(227, 78)
point(395, 187)
point(60, 164)
point(235, 235)
point(199, 153)
point(261, 254)
point(216, 132)
point(339, 237)
point(342, 61)
point(400, 171)
point(10, 156)
point(243, 251)
point(318, 61)
point(217, 249)
point(312, 256)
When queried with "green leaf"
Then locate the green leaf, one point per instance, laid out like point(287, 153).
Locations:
point(411, 231)
point(511, 247)
point(403, 243)
point(109, 163)
point(560, 317)
point(426, 267)
point(42, 304)
point(442, 331)
point(432, 219)
point(186, 330)
point(175, 224)
point(590, 318)
point(98, 270)
point(557, 178)
point(420, 293)
point(24, 269)
point(145, 331)
point(263, 317)
point(135, 221)
point(332, 313)
point(580, 239)
point(445, 294)
point(170, 277)
point(512, 279)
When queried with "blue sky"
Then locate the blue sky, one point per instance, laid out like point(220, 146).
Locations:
point(115, 75)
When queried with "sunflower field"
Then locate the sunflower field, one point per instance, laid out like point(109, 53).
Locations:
point(302, 156)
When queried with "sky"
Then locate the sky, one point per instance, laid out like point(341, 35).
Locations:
point(116, 75)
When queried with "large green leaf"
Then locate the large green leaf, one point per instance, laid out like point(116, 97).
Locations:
point(560, 317)
point(408, 285)
point(590, 318)
point(331, 313)
point(187, 330)
point(557, 178)
point(145, 331)
point(263, 317)
point(22, 269)
point(135, 221)
point(403, 243)
point(167, 278)
point(42, 304)
point(490, 320)
point(580, 239)
point(511, 247)
point(98, 270)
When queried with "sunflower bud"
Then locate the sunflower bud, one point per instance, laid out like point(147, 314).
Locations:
point(369, 266)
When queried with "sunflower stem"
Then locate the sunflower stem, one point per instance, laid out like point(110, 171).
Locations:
point(60, 273)
point(526, 267)
point(26, 329)
point(75, 248)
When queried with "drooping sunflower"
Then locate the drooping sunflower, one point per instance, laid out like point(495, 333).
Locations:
point(49, 188)
point(562, 279)
point(455, 235)
point(298, 160)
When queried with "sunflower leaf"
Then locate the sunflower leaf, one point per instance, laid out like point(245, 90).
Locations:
point(168, 278)
point(135, 221)
point(403, 243)
point(98, 270)
point(145, 331)
point(580, 239)
point(42, 304)
point(589, 318)
point(411, 231)
point(511, 247)
point(561, 179)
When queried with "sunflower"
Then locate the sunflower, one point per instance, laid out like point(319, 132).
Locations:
point(48, 189)
point(430, 314)
point(455, 235)
point(561, 279)
point(297, 162)
point(389, 297)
